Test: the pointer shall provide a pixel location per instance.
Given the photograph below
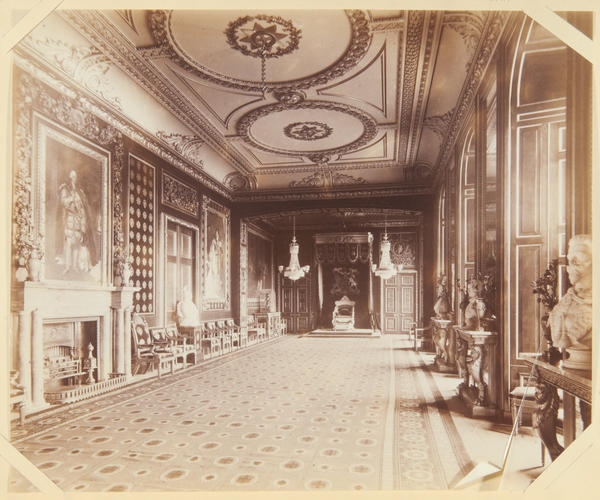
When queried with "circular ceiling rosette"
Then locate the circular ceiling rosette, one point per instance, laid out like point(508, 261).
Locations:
point(312, 129)
point(226, 46)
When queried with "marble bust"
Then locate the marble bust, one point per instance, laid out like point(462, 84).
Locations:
point(571, 318)
point(187, 312)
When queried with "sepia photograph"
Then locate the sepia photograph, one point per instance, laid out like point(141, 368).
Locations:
point(322, 248)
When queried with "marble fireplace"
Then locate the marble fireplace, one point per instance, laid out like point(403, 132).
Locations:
point(62, 314)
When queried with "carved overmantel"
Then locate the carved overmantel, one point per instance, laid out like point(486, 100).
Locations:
point(476, 356)
point(36, 303)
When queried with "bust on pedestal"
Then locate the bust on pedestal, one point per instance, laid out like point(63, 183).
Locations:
point(571, 319)
point(187, 312)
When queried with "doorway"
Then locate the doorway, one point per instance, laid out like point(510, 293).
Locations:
point(399, 303)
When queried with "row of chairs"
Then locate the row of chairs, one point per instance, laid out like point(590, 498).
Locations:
point(171, 346)
point(213, 338)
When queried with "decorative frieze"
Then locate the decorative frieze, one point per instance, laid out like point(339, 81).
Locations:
point(176, 194)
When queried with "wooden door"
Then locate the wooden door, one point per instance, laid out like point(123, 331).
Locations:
point(295, 304)
point(399, 303)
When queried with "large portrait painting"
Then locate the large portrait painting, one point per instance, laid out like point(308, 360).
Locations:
point(71, 204)
point(260, 263)
point(215, 237)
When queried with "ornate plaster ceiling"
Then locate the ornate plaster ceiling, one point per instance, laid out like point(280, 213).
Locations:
point(305, 100)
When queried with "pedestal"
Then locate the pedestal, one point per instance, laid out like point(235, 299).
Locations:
point(444, 340)
point(476, 356)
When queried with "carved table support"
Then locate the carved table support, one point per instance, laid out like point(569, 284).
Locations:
point(546, 416)
point(574, 384)
point(476, 358)
point(444, 340)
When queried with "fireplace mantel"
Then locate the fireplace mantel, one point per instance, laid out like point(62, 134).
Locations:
point(36, 302)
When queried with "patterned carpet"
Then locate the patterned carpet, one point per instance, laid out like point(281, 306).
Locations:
point(298, 413)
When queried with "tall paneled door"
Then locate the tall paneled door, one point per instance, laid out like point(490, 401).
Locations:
point(295, 304)
point(399, 303)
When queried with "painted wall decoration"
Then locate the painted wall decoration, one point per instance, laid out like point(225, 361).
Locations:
point(215, 241)
point(260, 263)
point(71, 204)
point(178, 195)
point(141, 234)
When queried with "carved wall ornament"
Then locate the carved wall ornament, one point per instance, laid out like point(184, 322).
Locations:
point(72, 114)
point(137, 134)
point(307, 131)
point(369, 126)
point(326, 178)
point(188, 146)
point(263, 36)
point(439, 123)
point(289, 96)
point(237, 181)
point(86, 65)
point(178, 195)
point(360, 39)
point(403, 249)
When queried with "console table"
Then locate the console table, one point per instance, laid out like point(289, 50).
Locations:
point(574, 384)
point(477, 359)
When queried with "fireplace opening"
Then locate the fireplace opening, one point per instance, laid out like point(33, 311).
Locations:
point(67, 346)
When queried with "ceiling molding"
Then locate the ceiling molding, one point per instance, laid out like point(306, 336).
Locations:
point(369, 127)
point(99, 31)
point(431, 42)
point(159, 23)
point(363, 191)
point(490, 36)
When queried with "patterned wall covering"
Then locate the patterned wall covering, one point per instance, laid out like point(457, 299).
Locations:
point(141, 232)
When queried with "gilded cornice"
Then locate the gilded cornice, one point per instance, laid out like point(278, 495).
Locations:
point(331, 193)
point(96, 28)
point(408, 76)
point(485, 49)
point(432, 40)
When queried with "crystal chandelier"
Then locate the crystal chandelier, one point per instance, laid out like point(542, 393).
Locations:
point(294, 271)
point(386, 268)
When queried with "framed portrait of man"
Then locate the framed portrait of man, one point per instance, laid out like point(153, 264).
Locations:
point(70, 182)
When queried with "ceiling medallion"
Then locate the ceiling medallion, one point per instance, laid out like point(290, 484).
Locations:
point(262, 36)
point(368, 123)
point(307, 131)
point(161, 30)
